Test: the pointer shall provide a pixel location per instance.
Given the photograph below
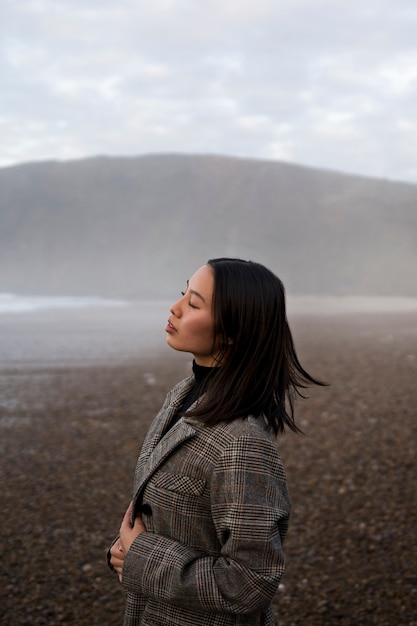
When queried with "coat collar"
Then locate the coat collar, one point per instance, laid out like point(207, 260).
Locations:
point(161, 422)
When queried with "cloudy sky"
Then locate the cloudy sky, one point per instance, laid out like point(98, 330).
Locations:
point(326, 83)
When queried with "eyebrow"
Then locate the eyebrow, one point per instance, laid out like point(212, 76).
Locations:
point(194, 292)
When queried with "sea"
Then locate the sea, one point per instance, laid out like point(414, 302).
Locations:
point(62, 331)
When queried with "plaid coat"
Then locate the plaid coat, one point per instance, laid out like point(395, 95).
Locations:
point(215, 505)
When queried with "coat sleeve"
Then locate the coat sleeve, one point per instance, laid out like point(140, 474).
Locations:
point(250, 510)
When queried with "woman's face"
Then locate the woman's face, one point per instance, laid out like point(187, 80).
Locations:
point(190, 326)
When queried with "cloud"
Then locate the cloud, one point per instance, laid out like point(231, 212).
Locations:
point(264, 80)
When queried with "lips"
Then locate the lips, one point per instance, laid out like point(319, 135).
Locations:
point(170, 328)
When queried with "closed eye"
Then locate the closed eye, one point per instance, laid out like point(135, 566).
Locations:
point(189, 303)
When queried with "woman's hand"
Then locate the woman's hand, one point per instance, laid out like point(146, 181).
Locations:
point(127, 535)
point(117, 558)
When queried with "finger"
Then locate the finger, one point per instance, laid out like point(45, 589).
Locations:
point(117, 558)
point(117, 550)
point(128, 514)
point(126, 523)
point(138, 524)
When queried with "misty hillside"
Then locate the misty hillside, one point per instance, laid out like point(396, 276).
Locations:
point(138, 227)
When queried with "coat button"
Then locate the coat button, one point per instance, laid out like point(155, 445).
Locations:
point(146, 509)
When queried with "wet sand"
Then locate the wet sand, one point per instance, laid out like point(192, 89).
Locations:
point(69, 438)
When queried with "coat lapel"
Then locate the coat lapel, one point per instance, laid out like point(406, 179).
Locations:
point(157, 447)
point(182, 431)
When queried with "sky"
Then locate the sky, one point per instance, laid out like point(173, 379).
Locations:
point(324, 83)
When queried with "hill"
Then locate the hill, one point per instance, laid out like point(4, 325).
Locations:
point(137, 227)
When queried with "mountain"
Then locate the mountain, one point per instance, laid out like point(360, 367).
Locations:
point(138, 227)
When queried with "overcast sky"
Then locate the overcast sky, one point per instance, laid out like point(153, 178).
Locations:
point(329, 84)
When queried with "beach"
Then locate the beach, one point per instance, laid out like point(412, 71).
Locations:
point(71, 429)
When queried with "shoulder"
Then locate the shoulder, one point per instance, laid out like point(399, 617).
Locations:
point(242, 442)
point(247, 427)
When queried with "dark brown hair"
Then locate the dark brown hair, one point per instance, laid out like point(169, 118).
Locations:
point(260, 373)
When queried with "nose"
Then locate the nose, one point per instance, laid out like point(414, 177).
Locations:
point(175, 308)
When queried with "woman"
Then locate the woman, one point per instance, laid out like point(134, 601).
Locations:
point(201, 542)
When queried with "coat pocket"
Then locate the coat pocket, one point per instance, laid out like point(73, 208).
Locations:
point(186, 485)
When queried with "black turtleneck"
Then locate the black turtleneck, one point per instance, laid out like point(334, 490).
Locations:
point(201, 373)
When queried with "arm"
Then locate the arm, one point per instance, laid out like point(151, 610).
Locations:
point(250, 508)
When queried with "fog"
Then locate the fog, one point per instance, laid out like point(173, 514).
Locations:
point(68, 337)
point(134, 330)
point(137, 228)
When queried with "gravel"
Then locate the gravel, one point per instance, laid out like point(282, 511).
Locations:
point(69, 439)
